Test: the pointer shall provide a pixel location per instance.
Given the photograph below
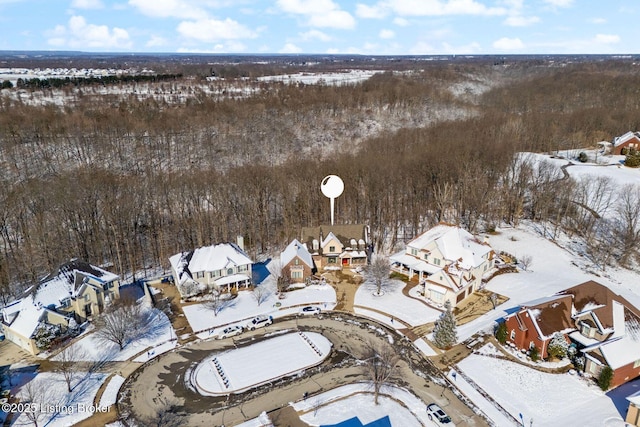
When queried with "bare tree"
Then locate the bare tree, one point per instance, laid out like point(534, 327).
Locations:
point(218, 301)
point(378, 273)
point(166, 415)
point(67, 363)
point(38, 396)
point(121, 323)
point(493, 298)
point(379, 366)
point(628, 216)
point(525, 261)
point(261, 293)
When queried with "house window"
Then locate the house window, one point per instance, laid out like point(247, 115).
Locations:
point(435, 296)
point(531, 344)
point(426, 256)
point(212, 274)
point(586, 330)
point(229, 271)
point(414, 252)
point(636, 364)
point(86, 297)
point(242, 268)
point(297, 261)
point(65, 303)
point(296, 274)
point(436, 261)
point(331, 260)
point(513, 334)
point(199, 274)
point(332, 248)
point(110, 285)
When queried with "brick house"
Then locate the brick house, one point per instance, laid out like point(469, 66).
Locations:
point(628, 140)
point(604, 326)
point(335, 247)
point(297, 262)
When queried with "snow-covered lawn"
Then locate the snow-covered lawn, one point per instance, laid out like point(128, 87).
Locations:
point(246, 367)
point(245, 306)
point(356, 400)
point(548, 399)
point(93, 348)
point(58, 408)
point(347, 77)
point(394, 303)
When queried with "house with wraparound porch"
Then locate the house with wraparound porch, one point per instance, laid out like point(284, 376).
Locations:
point(447, 261)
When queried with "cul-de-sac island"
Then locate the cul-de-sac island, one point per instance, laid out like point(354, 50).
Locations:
point(319, 241)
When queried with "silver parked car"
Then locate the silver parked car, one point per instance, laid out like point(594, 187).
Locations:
point(434, 412)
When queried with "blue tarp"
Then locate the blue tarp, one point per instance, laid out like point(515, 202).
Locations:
point(355, 422)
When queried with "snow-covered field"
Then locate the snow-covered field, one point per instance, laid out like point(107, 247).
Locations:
point(346, 77)
point(548, 399)
point(356, 400)
point(245, 306)
point(246, 367)
point(394, 303)
point(58, 408)
point(93, 348)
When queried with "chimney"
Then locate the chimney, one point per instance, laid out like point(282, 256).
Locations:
point(240, 242)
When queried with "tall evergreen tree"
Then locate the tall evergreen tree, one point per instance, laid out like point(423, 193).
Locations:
point(445, 333)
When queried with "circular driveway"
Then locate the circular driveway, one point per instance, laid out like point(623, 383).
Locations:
point(163, 383)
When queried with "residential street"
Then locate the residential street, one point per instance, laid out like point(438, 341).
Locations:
point(163, 380)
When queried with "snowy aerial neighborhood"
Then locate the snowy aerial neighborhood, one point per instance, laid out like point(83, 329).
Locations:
point(522, 324)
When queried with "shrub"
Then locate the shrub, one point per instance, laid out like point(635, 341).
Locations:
point(558, 346)
point(632, 160)
point(605, 377)
point(582, 157)
point(534, 353)
point(502, 333)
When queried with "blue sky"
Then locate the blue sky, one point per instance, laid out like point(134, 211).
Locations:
point(384, 27)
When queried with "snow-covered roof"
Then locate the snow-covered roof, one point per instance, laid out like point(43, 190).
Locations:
point(414, 263)
point(353, 254)
point(296, 249)
point(28, 317)
point(327, 239)
point(634, 398)
point(234, 278)
point(619, 140)
point(455, 244)
point(208, 258)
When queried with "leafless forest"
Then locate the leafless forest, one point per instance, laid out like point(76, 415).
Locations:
point(130, 177)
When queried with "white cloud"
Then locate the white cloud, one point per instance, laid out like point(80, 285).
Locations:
point(290, 48)
point(506, 43)
point(559, 3)
point(440, 8)
point(319, 13)
point(80, 35)
point(370, 12)
point(421, 48)
point(315, 35)
point(169, 9)
point(87, 4)
point(386, 34)
point(155, 41)
point(607, 38)
point(401, 22)
point(521, 21)
point(213, 30)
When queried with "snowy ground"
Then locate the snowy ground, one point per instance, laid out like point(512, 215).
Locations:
point(347, 77)
point(356, 400)
point(110, 394)
point(256, 364)
point(245, 306)
point(394, 303)
point(58, 408)
point(548, 399)
point(92, 348)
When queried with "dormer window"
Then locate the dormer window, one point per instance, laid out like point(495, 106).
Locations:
point(65, 303)
point(414, 252)
point(586, 329)
point(332, 248)
point(229, 271)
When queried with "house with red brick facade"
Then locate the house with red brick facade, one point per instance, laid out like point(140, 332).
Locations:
point(630, 140)
point(297, 262)
point(604, 326)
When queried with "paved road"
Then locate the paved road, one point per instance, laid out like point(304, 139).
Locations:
point(162, 380)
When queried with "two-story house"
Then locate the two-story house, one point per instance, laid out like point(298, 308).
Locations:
point(73, 294)
point(296, 261)
point(630, 140)
point(447, 260)
point(224, 266)
point(334, 247)
point(604, 326)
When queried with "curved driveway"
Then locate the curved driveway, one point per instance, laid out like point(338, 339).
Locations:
point(161, 382)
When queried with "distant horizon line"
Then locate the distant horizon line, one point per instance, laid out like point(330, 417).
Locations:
point(301, 54)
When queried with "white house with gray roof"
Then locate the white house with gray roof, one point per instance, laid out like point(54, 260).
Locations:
point(447, 260)
point(224, 266)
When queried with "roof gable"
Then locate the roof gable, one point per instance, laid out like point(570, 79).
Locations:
point(455, 244)
point(293, 250)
